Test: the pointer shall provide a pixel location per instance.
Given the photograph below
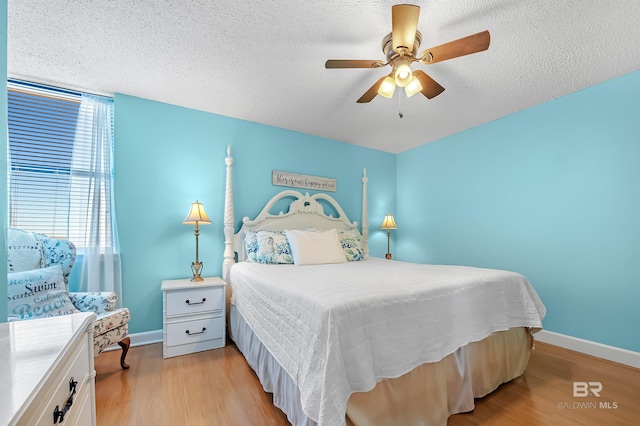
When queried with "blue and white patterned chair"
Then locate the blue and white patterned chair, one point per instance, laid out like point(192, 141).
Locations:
point(29, 250)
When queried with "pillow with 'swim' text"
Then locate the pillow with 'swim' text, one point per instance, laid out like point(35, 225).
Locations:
point(38, 293)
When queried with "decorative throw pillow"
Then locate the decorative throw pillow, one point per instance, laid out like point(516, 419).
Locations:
point(38, 293)
point(58, 252)
point(250, 246)
point(24, 251)
point(351, 244)
point(273, 248)
point(315, 248)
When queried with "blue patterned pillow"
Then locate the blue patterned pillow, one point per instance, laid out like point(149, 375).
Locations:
point(273, 248)
point(250, 246)
point(351, 244)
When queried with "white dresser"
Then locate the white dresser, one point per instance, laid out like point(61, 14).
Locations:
point(194, 316)
point(46, 371)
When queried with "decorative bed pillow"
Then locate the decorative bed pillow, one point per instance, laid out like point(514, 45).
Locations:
point(24, 250)
point(38, 293)
point(250, 246)
point(351, 244)
point(273, 248)
point(315, 248)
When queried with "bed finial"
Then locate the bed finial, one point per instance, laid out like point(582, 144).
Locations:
point(228, 218)
point(365, 215)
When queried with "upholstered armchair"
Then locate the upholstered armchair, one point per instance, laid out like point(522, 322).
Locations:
point(30, 251)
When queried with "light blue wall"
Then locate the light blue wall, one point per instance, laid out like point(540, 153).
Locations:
point(166, 157)
point(552, 192)
point(3, 160)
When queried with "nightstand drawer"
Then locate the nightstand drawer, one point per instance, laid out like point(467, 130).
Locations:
point(185, 332)
point(185, 302)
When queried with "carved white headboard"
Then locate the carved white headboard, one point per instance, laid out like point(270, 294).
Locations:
point(305, 211)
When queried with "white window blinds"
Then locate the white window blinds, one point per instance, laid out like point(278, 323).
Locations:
point(48, 179)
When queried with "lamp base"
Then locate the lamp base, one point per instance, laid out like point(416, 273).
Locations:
point(196, 267)
point(388, 256)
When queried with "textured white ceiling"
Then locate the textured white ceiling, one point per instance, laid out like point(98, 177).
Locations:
point(264, 61)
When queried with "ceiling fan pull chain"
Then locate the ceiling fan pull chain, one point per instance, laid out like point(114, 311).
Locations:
point(400, 104)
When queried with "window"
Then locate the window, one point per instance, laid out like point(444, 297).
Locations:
point(53, 166)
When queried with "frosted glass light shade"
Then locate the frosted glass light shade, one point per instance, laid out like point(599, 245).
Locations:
point(413, 87)
point(387, 87)
point(403, 74)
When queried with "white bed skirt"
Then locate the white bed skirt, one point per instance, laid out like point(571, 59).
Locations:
point(274, 379)
point(427, 395)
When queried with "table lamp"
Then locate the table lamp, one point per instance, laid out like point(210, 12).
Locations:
point(196, 216)
point(389, 223)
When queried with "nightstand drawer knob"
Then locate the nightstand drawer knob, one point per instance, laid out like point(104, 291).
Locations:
point(204, 299)
point(197, 332)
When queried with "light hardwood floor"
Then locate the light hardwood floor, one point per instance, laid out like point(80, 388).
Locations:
point(219, 388)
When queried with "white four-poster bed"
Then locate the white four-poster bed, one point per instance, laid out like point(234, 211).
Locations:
point(369, 342)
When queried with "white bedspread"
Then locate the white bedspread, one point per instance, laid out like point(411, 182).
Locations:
point(338, 329)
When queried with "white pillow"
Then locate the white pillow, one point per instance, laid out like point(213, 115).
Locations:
point(315, 248)
point(24, 251)
point(38, 293)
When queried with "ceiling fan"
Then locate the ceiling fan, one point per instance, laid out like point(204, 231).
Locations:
point(400, 48)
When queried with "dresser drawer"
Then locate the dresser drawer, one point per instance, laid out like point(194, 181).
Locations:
point(186, 332)
point(191, 301)
point(81, 415)
point(76, 371)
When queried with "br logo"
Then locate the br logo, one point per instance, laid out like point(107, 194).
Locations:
point(583, 389)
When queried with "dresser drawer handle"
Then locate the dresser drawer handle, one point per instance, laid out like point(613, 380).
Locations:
point(58, 415)
point(204, 299)
point(197, 332)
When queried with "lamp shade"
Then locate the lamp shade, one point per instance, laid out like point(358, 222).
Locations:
point(196, 215)
point(387, 87)
point(389, 222)
point(413, 87)
point(402, 73)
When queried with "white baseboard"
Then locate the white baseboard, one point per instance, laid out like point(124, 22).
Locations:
point(146, 338)
point(141, 339)
point(610, 353)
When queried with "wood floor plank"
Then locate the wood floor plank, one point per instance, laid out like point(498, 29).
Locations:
point(218, 388)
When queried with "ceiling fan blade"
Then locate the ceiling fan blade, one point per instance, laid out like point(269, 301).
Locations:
point(404, 22)
point(460, 47)
point(353, 63)
point(372, 92)
point(430, 87)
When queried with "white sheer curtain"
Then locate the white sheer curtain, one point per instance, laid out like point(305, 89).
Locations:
point(92, 216)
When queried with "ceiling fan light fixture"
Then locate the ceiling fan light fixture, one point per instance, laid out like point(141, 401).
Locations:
point(387, 87)
point(413, 87)
point(403, 73)
point(400, 48)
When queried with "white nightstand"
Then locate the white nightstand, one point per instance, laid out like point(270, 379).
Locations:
point(194, 316)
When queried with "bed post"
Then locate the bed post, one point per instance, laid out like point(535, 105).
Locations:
point(365, 215)
point(228, 219)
